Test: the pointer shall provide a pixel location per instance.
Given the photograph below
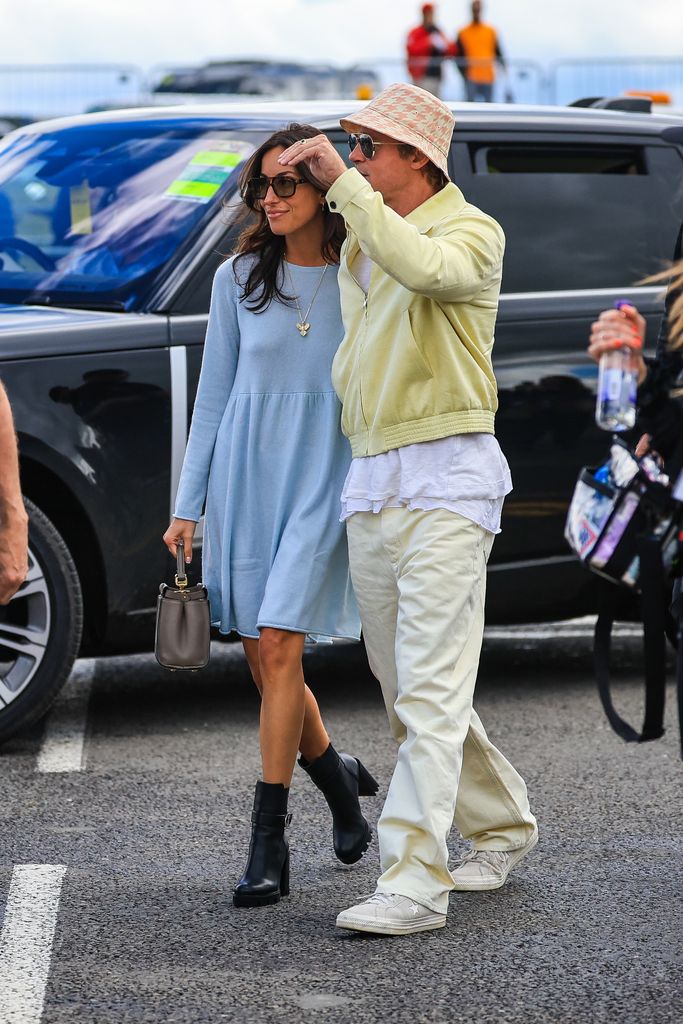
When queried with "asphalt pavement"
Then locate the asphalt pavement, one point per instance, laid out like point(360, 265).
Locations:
point(140, 829)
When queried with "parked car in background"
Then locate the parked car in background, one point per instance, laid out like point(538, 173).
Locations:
point(269, 79)
point(111, 228)
point(10, 122)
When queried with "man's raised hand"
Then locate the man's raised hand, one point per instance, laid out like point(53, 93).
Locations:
point(319, 155)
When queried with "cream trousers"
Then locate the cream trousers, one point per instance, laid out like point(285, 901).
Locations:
point(420, 581)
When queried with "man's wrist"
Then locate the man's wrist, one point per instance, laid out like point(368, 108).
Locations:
point(344, 188)
point(12, 510)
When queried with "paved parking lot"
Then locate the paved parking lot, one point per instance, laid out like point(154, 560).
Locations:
point(119, 847)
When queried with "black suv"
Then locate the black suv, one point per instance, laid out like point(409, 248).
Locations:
point(111, 228)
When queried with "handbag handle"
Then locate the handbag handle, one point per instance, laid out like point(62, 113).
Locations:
point(181, 574)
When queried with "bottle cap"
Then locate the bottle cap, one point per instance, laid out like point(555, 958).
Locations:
point(636, 341)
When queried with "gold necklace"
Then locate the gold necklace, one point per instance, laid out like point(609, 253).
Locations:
point(303, 326)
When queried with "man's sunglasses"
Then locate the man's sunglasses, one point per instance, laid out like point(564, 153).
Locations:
point(367, 144)
point(283, 186)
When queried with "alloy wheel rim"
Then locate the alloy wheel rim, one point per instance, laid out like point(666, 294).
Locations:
point(24, 633)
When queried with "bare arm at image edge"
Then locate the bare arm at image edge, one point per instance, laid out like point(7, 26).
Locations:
point(13, 518)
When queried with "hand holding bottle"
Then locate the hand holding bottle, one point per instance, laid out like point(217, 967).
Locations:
point(616, 342)
point(622, 325)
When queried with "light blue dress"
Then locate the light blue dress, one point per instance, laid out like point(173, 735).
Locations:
point(267, 454)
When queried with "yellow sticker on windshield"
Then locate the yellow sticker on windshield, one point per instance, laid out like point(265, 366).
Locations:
point(207, 172)
point(81, 212)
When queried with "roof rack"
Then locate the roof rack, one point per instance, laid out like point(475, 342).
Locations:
point(632, 104)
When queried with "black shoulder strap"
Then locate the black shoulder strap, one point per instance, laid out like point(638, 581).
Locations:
point(654, 644)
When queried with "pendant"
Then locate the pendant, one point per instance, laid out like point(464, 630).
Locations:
point(303, 327)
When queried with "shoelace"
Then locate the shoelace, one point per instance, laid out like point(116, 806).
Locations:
point(496, 858)
point(379, 897)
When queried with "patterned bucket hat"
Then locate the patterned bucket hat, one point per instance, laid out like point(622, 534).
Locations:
point(411, 115)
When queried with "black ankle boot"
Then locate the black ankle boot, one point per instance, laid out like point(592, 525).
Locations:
point(342, 779)
point(266, 876)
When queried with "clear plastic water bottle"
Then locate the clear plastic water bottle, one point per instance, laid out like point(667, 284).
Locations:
point(615, 408)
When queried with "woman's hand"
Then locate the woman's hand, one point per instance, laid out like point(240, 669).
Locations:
point(180, 529)
point(615, 328)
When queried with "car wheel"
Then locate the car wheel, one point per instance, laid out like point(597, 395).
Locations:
point(40, 629)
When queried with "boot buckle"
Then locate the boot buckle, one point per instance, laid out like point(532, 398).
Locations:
point(288, 819)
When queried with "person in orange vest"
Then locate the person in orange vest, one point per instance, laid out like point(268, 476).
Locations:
point(426, 48)
point(478, 49)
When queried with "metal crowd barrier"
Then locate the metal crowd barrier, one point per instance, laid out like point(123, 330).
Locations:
point(613, 76)
point(31, 91)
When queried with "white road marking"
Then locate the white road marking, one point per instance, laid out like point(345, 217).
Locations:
point(64, 739)
point(569, 629)
point(26, 940)
point(587, 634)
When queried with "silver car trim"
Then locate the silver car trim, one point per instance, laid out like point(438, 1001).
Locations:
point(648, 291)
point(533, 563)
point(651, 292)
point(178, 361)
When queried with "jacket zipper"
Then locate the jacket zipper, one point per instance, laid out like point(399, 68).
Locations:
point(360, 352)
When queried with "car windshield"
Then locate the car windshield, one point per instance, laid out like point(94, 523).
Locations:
point(91, 215)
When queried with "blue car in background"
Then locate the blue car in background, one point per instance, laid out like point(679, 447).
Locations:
point(111, 228)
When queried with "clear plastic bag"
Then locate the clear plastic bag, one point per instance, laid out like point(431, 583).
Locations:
point(615, 505)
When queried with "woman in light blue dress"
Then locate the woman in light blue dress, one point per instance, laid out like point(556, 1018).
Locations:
point(267, 458)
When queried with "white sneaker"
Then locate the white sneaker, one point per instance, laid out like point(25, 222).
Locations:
point(387, 913)
point(489, 869)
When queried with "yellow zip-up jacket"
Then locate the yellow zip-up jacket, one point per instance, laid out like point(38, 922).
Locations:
point(415, 362)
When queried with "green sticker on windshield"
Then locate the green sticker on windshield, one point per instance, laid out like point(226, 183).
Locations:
point(217, 158)
point(207, 172)
point(201, 190)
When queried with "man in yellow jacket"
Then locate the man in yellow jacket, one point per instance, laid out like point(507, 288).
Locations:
point(419, 280)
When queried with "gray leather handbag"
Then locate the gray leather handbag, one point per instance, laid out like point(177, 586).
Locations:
point(183, 628)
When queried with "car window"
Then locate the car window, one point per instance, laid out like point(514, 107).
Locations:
point(557, 159)
point(91, 215)
point(576, 215)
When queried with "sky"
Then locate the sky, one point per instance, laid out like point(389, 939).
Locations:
point(173, 32)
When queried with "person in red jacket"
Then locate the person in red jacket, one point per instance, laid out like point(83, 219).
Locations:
point(427, 47)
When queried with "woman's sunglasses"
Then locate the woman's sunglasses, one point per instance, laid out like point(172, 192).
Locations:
point(367, 144)
point(284, 187)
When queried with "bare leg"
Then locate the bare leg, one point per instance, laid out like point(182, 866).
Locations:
point(276, 659)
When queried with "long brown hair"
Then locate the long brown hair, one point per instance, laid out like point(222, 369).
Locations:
point(674, 277)
point(263, 280)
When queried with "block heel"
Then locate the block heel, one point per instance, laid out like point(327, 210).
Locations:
point(284, 877)
point(367, 786)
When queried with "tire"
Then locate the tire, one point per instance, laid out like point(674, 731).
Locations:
point(40, 629)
